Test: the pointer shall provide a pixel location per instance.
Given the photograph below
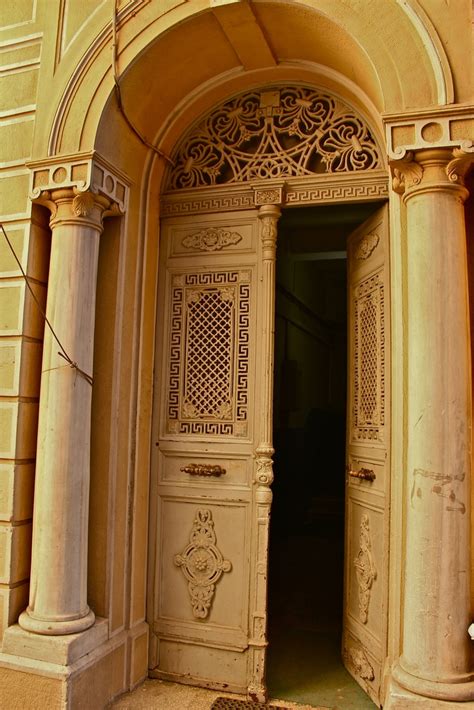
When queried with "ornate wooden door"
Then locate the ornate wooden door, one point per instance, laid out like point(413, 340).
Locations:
point(212, 457)
point(368, 456)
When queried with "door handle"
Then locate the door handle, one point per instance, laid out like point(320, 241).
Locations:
point(366, 474)
point(203, 469)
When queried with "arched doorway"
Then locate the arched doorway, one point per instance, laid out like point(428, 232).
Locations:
point(176, 60)
point(274, 148)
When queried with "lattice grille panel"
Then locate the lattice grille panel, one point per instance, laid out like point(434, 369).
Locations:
point(209, 357)
point(369, 360)
point(209, 353)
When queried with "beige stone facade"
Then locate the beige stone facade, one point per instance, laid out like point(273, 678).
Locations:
point(85, 177)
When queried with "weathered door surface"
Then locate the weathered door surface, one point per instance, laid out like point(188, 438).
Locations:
point(368, 455)
point(210, 552)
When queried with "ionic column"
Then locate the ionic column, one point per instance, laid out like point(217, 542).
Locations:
point(436, 653)
point(269, 216)
point(58, 585)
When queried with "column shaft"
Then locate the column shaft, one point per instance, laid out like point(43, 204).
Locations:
point(58, 587)
point(436, 652)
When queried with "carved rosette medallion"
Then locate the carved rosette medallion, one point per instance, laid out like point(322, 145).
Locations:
point(211, 239)
point(365, 569)
point(202, 563)
point(366, 246)
point(269, 197)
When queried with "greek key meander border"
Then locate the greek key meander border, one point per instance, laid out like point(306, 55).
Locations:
point(221, 199)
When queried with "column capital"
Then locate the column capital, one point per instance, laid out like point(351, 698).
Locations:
point(431, 170)
point(73, 207)
point(87, 180)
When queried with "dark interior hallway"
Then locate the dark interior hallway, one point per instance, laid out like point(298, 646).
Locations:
point(307, 529)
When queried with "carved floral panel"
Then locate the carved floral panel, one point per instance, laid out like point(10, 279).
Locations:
point(202, 563)
point(209, 353)
point(286, 132)
point(211, 239)
point(365, 569)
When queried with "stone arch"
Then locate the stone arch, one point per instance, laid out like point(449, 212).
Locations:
point(373, 53)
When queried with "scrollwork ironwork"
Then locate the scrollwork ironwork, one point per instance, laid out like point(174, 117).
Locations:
point(301, 131)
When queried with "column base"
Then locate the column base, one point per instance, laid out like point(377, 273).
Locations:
point(61, 650)
point(55, 628)
point(96, 672)
point(398, 698)
point(462, 691)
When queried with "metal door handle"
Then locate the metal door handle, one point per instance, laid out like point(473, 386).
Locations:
point(203, 469)
point(366, 474)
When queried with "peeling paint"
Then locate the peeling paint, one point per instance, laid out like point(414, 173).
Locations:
point(444, 487)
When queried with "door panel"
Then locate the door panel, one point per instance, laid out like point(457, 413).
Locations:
point(205, 443)
point(368, 456)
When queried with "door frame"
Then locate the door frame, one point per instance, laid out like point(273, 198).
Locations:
point(363, 186)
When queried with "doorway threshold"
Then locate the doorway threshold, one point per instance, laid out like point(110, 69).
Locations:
point(155, 694)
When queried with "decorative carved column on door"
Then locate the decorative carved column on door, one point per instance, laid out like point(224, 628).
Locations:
point(269, 215)
point(436, 648)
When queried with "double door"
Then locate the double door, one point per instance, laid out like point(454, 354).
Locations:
point(212, 455)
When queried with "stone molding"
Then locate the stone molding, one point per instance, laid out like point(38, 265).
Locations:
point(83, 173)
point(351, 187)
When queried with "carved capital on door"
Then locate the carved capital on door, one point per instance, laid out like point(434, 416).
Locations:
point(264, 466)
point(269, 216)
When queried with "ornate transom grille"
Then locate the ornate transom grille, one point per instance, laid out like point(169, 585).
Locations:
point(208, 376)
point(277, 133)
point(369, 359)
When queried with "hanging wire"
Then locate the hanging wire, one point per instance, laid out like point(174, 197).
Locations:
point(62, 353)
point(118, 93)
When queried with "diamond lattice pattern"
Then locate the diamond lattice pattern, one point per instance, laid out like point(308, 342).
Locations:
point(209, 356)
point(368, 361)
